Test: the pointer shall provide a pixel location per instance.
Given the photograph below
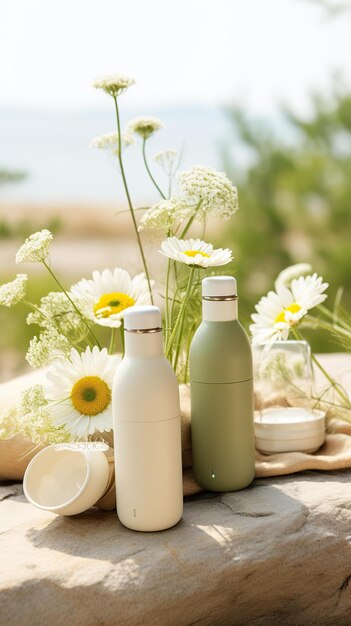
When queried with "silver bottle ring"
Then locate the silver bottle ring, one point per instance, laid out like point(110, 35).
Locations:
point(220, 298)
point(142, 331)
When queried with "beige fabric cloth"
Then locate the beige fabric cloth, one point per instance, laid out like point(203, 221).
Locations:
point(16, 453)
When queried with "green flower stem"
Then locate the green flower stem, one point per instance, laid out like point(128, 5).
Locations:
point(120, 160)
point(331, 316)
point(178, 341)
point(121, 330)
point(185, 230)
point(73, 304)
point(188, 344)
point(112, 341)
point(35, 308)
point(167, 329)
point(334, 405)
point(333, 328)
point(149, 171)
point(333, 383)
point(190, 221)
point(180, 312)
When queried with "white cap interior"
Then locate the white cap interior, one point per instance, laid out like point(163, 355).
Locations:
point(219, 286)
point(142, 317)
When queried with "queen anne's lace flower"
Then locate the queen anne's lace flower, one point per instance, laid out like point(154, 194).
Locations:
point(50, 345)
point(13, 292)
point(109, 141)
point(166, 159)
point(195, 252)
point(56, 312)
point(145, 126)
point(113, 84)
point(211, 190)
point(164, 216)
point(31, 417)
point(35, 247)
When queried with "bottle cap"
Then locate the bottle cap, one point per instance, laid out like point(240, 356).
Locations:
point(139, 318)
point(219, 287)
point(67, 478)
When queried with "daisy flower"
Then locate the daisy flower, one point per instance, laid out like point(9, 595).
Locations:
point(79, 392)
point(13, 292)
point(145, 126)
point(293, 271)
point(35, 247)
point(108, 294)
point(195, 252)
point(277, 312)
point(113, 84)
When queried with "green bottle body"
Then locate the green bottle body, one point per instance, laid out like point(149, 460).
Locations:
point(222, 426)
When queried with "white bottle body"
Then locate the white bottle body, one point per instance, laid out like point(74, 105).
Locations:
point(147, 433)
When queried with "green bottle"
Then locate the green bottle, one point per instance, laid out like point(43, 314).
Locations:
point(222, 429)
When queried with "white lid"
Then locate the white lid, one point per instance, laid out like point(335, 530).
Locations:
point(219, 286)
point(142, 317)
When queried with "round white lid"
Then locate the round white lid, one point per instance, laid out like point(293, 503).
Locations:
point(142, 317)
point(219, 286)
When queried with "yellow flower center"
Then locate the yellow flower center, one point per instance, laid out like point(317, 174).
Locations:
point(90, 395)
point(195, 252)
point(112, 303)
point(293, 308)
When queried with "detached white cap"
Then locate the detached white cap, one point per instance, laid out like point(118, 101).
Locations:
point(216, 286)
point(142, 317)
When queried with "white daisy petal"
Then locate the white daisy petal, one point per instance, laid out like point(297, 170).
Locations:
point(79, 391)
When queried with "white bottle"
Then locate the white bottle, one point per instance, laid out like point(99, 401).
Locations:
point(147, 433)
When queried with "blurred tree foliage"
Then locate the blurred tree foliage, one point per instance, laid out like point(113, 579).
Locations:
point(10, 176)
point(295, 199)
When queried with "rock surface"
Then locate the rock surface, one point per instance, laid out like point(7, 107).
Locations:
point(276, 553)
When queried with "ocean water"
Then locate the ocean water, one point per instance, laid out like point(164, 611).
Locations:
point(53, 148)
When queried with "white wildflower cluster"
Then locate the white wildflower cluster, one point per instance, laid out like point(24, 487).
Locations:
point(35, 247)
point(165, 216)
point(13, 292)
point(211, 191)
point(30, 416)
point(110, 142)
point(145, 126)
point(56, 312)
point(49, 346)
point(203, 192)
point(113, 84)
point(167, 160)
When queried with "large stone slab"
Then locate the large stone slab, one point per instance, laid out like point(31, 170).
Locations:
point(276, 553)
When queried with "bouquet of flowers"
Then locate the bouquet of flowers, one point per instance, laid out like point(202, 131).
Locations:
point(74, 401)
